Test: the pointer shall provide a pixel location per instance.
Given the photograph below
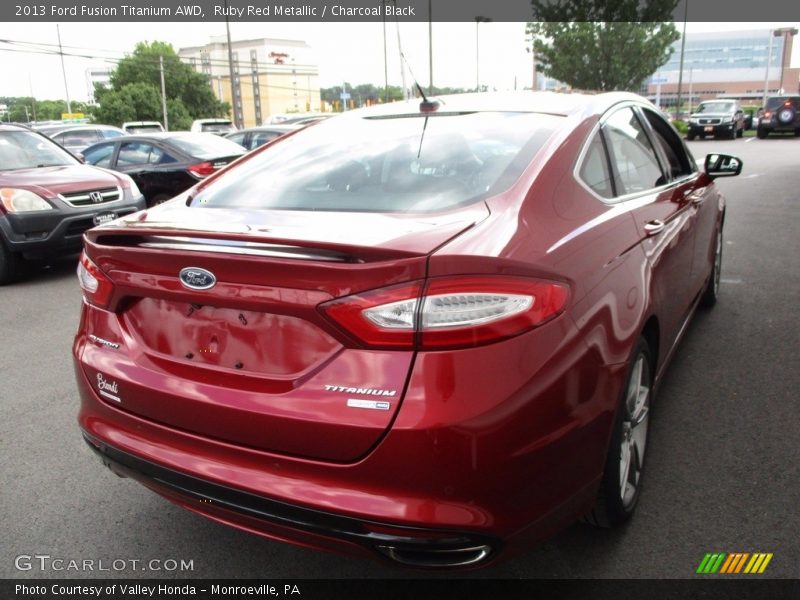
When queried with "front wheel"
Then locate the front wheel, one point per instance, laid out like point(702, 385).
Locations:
point(622, 478)
point(10, 264)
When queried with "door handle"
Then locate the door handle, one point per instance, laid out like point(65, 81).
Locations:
point(654, 227)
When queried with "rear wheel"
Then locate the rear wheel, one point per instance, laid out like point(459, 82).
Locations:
point(10, 264)
point(159, 199)
point(762, 133)
point(710, 294)
point(621, 485)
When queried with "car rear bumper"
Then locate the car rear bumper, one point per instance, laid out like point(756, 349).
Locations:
point(453, 483)
point(50, 233)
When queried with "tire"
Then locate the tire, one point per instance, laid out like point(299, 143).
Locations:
point(690, 136)
point(797, 133)
point(740, 133)
point(711, 292)
point(158, 199)
point(10, 265)
point(762, 133)
point(621, 486)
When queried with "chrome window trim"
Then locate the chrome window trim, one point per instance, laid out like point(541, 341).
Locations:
point(626, 197)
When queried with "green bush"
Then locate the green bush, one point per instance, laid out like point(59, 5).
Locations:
point(681, 126)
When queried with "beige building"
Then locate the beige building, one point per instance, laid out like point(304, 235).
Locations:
point(270, 76)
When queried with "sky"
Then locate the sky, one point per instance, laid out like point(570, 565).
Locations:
point(344, 51)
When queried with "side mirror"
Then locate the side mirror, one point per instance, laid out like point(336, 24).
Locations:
point(722, 165)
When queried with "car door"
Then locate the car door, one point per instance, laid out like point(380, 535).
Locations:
point(701, 197)
point(662, 213)
point(158, 173)
point(100, 155)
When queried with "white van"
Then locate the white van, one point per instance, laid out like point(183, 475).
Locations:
point(218, 126)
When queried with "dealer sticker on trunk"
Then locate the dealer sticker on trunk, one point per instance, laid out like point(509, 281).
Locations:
point(372, 404)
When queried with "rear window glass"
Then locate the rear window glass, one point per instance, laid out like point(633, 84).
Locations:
point(217, 127)
point(387, 164)
point(203, 145)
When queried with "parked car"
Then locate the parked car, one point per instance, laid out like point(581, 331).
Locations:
point(781, 115)
point(138, 127)
point(164, 164)
point(429, 332)
point(218, 126)
point(258, 136)
point(718, 118)
point(48, 199)
point(76, 138)
point(299, 118)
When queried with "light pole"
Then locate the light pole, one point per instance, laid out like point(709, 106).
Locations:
point(478, 21)
point(691, 77)
point(680, 71)
point(787, 33)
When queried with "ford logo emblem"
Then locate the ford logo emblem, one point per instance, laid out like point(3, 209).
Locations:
point(196, 278)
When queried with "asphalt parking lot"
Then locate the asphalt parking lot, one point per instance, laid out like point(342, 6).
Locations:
point(723, 461)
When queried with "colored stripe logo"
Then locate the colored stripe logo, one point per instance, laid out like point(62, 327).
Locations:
point(734, 563)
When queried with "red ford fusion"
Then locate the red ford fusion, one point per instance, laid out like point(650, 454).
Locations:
point(429, 332)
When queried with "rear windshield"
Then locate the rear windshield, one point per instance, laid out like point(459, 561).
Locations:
point(773, 103)
point(387, 164)
point(26, 150)
point(143, 129)
point(715, 107)
point(203, 145)
point(217, 127)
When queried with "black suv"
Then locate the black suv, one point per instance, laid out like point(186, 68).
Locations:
point(717, 118)
point(781, 114)
point(48, 198)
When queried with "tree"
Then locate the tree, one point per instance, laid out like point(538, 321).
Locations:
point(602, 45)
point(135, 92)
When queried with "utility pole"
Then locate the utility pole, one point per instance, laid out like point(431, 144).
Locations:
point(236, 120)
point(678, 110)
point(163, 94)
point(478, 21)
point(63, 71)
point(430, 46)
point(766, 73)
point(385, 57)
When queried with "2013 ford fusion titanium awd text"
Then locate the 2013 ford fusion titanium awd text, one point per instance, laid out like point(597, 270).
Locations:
point(428, 331)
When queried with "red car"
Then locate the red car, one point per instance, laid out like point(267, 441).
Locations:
point(429, 332)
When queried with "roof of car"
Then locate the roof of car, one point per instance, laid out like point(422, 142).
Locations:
point(277, 127)
point(554, 103)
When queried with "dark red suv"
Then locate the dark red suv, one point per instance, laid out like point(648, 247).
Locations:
point(48, 199)
point(429, 332)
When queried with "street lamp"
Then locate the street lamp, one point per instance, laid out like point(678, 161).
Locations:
point(478, 21)
point(787, 33)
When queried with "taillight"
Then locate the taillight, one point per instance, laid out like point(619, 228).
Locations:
point(201, 170)
point(452, 312)
point(97, 288)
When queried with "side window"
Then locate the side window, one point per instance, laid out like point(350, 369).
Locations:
point(111, 133)
point(680, 164)
point(141, 153)
point(100, 155)
point(262, 137)
point(594, 170)
point(632, 155)
point(237, 138)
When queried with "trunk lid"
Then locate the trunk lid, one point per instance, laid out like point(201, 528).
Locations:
point(251, 360)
